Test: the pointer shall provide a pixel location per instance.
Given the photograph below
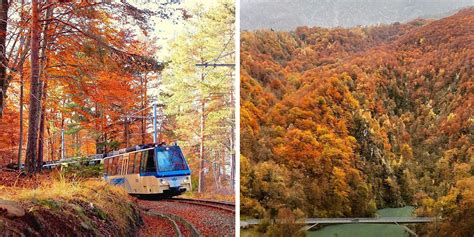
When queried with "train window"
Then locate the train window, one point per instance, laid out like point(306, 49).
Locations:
point(136, 167)
point(148, 163)
point(170, 160)
point(143, 161)
point(114, 166)
point(106, 166)
point(121, 164)
point(109, 166)
point(131, 159)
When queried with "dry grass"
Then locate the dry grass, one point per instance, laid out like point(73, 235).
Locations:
point(56, 189)
point(111, 201)
point(52, 189)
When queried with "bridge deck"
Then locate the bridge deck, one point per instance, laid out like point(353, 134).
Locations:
point(375, 220)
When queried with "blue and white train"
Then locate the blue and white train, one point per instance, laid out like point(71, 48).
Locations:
point(148, 169)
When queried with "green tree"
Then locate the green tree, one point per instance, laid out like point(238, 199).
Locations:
point(199, 98)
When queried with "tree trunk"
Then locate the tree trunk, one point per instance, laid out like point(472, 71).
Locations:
point(201, 149)
point(50, 143)
point(99, 141)
point(216, 169)
point(77, 144)
point(144, 103)
point(3, 56)
point(35, 98)
point(62, 145)
point(232, 141)
point(24, 50)
point(20, 143)
point(44, 64)
point(41, 133)
point(126, 131)
point(105, 142)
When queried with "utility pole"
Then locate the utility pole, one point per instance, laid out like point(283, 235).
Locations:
point(155, 131)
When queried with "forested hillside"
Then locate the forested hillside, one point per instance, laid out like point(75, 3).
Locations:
point(340, 122)
point(97, 70)
point(79, 73)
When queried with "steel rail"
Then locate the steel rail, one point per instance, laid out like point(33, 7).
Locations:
point(173, 223)
point(174, 219)
point(225, 206)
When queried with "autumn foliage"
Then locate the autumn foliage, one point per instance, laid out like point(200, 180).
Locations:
point(91, 75)
point(89, 72)
point(340, 122)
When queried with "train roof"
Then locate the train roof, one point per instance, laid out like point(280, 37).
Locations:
point(137, 148)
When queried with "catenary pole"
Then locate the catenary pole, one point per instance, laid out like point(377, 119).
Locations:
point(155, 131)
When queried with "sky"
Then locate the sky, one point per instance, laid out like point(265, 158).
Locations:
point(165, 30)
point(289, 14)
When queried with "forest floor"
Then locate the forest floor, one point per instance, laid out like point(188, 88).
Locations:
point(17, 179)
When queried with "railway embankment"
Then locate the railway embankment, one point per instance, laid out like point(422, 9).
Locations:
point(58, 206)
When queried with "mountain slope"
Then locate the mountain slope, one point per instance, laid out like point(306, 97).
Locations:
point(339, 122)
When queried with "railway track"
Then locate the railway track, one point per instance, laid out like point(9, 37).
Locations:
point(192, 217)
point(181, 227)
point(225, 206)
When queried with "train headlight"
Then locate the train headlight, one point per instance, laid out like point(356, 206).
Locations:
point(162, 181)
point(186, 179)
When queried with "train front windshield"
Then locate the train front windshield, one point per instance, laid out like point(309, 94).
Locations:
point(170, 160)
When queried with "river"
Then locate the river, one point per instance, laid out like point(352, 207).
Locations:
point(368, 230)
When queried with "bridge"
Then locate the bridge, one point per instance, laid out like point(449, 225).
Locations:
point(375, 220)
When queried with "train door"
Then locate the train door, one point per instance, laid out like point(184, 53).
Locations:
point(124, 165)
